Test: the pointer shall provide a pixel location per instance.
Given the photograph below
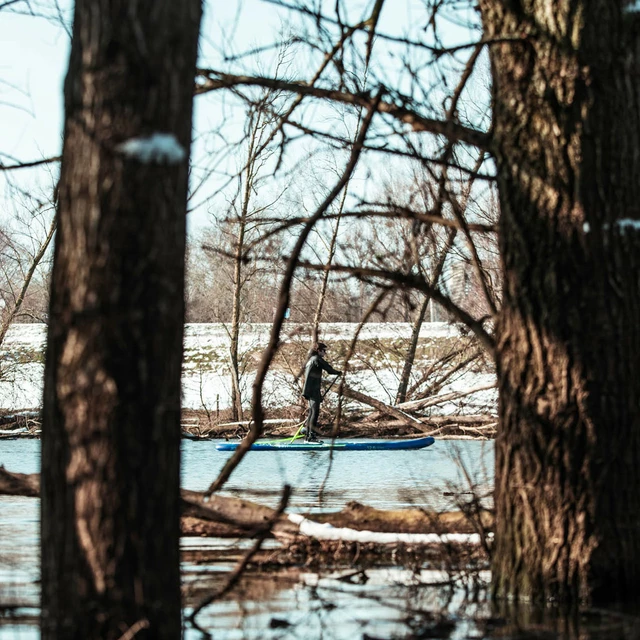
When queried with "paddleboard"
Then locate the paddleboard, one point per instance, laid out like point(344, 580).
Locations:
point(329, 445)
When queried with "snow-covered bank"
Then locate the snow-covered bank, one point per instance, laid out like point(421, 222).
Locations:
point(206, 383)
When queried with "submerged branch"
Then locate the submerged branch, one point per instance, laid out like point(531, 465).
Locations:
point(240, 568)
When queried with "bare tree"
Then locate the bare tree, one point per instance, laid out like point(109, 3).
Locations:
point(18, 266)
point(247, 223)
point(111, 428)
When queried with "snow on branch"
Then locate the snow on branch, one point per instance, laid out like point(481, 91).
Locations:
point(158, 148)
point(629, 224)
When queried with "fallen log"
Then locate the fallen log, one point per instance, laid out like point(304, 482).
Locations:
point(19, 484)
point(433, 401)
point(222, 516)
point(380, 406)
point(406, 409)
point(429, 421)
point(235, 512)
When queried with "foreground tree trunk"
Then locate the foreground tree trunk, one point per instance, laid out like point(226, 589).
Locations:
point(111, 433)
point(567, 134)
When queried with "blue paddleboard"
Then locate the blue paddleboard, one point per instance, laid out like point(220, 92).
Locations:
point(329, 445)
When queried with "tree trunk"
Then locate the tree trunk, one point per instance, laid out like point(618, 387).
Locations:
point(111, 428)
point(566, 135)
point(236, 393)
point(410, 356)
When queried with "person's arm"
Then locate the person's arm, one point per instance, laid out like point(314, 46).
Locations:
point(328, 368)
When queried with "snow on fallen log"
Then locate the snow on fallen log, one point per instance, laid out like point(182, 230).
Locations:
point(13, 432)
point(325, 531)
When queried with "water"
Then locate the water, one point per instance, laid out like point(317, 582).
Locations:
point(269, 604)
point(390, 602)
point(381, 479)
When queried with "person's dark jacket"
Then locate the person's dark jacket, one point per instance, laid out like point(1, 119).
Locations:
point(313, 375)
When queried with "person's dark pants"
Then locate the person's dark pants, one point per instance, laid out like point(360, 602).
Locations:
point(314, 412)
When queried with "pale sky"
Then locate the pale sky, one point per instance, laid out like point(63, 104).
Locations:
point(35, 51)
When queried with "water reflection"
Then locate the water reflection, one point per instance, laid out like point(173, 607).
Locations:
point(383, 603)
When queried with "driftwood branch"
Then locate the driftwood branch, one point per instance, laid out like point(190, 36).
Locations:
point(415, 405)
point(380, 406)
point(217, 515)
point(19, 484)
point(403, 411)
point(236, 574)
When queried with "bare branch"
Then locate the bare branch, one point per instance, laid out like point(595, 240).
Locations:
point(211, 80)
point(236, 574)
point(418, 283)
point(27, 165)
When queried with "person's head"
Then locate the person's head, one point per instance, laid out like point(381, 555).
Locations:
point(320, 348)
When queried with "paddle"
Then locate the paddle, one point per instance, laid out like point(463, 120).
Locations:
point(329, 387)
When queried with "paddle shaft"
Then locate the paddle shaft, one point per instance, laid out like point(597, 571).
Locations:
point(329, 387)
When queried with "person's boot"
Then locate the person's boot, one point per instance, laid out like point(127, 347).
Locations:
point(312, 437)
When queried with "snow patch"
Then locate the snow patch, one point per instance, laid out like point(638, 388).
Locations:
point(206, 381)
point(158, 148)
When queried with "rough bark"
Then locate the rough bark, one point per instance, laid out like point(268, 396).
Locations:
point(566, 134)
point(111, 416)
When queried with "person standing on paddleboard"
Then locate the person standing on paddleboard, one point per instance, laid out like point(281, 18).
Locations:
point(311, 389)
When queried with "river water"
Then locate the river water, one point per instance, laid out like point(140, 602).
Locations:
point(386, 480)
point(383, 602)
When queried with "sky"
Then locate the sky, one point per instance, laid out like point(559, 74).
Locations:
point(35, 53)
point(36, 50)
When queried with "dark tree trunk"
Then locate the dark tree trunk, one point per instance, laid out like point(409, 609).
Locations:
point(111, 433)
point(567, 134)
point(410, 356)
